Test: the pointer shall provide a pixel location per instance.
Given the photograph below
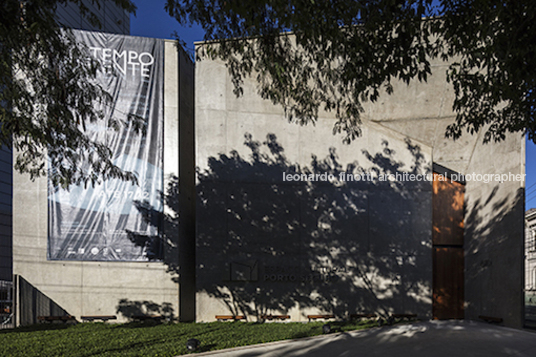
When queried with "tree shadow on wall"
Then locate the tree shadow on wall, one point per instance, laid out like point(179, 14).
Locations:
point(266, 245)
point(164, 246)
point(131, 308)
point(494, 256)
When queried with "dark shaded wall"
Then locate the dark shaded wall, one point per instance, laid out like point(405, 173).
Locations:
point(186, 194)
point(6, 214)
point(270, 245)
point(30, 303)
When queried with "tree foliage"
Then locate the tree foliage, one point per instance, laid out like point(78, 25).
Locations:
point(48, 95)
point(309, 55)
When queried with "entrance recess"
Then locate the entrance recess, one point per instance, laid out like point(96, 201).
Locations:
point(448, 253)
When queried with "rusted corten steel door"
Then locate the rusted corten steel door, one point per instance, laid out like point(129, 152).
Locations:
point(448, 253)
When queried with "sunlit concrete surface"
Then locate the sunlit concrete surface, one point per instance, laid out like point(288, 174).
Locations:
point(434, 338)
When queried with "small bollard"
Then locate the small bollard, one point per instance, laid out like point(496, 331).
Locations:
point(326, 329)
point(192, 344)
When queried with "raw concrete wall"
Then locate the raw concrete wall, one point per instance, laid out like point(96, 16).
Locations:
point(113, 20)
point(6, 186)
point(494, 234)
point(103, 288)
point(267, 245)
point(186, 192)
point(79, 288)
point(494, 211)
point(367, 244)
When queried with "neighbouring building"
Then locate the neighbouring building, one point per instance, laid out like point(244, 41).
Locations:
point(530, 267)
point(530, 250)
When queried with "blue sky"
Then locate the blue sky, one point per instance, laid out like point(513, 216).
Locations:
point(152, 21)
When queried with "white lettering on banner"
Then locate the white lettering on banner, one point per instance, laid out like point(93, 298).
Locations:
point(125, 62)
point(132, 195)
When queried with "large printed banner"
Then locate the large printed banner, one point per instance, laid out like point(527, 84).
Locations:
point(100, 223)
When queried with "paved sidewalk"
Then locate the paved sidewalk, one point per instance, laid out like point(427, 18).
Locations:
point(432, 338)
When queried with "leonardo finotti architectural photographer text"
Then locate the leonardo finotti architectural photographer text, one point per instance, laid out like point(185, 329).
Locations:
point(399, 176)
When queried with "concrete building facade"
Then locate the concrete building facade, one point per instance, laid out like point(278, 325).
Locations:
point(288, 220)
point(272, 239)
point(113, 20)
point(59, 287)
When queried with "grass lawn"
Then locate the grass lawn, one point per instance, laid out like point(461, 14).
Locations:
point(139, 339)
